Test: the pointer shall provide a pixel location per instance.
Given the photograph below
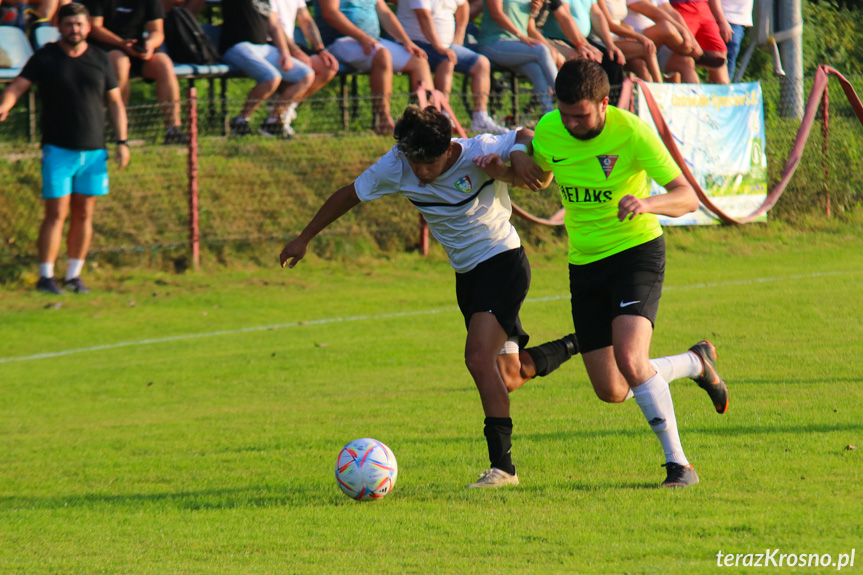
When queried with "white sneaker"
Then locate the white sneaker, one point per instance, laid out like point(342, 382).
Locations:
point(485, 124)
point(494, 477)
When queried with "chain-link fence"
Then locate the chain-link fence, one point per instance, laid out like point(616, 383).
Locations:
point(256, 187)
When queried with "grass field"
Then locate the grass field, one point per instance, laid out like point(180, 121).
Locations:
point(202, 437)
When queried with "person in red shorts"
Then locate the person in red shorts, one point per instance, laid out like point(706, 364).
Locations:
point(706, 20)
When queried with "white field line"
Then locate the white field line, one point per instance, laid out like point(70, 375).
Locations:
point(353, 318)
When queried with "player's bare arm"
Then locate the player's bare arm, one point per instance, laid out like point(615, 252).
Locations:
point(523, 165)
point(335, 207)
point(678, 200)
point(117, 117)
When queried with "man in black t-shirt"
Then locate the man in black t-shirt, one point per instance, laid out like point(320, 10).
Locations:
point(75, 84)
point(131, 31)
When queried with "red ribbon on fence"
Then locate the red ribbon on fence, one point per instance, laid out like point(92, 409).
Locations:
point(821, 78)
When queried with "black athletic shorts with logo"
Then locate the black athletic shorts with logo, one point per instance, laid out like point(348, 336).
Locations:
point(627, 283)
point(498, 285)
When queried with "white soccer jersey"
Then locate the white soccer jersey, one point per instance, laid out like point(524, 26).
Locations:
point(467, 212)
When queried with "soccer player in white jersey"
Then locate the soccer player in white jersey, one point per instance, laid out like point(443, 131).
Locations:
point(468, 212)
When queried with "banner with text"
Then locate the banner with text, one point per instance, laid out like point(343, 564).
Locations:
point(720, 132)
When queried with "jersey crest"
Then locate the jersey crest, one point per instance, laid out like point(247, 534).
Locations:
point(464, 185)
point(607, 164)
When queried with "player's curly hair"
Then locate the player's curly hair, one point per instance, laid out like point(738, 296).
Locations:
point(580, 80)
point(422, 135)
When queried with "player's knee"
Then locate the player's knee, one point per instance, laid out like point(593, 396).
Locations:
point(272, 84)
point(611, 395)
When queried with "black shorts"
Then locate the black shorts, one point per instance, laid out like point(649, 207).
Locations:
point(627, 283)
point(498, 286)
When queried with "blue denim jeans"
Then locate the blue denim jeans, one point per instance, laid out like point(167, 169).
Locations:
point(535, 62)
point(734, 48)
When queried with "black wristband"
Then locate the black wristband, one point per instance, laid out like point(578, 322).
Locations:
point(122, 142)
point(319, 51)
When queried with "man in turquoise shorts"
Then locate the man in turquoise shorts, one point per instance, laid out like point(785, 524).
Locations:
point(602, 158)
point(75, 83)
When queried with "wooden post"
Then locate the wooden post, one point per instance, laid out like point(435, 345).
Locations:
point(194, 235)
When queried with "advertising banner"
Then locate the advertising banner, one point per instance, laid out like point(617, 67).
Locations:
point(720, 132)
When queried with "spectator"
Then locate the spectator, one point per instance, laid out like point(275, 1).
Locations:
point(706, 21)
point(75, 81)
point(289, 13)
point(593, 26)
point(131, 31)
point(351, 29)
point(276, 68)
point(438, 27)
point(508, 37)
point(738, 14)
point(657, 20)
point(562, 33)
point(639, 50)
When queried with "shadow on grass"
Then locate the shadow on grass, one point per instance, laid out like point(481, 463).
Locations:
point(209, 499)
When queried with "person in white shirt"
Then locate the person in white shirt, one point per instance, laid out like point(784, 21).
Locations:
point(738, 13)
point(459, 187)
point(438, 27)
point(289, 14)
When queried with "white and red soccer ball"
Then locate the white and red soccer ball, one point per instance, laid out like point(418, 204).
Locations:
point(366, 469)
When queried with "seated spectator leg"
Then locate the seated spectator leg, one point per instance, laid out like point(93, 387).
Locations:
point(685, 66)
point(381, 81)
point(122, 67)
point(718, 75)
point(639, 61)
point(289, 93)
point(443, 77)
point(664, 34)
point(418, 70)
point(161, 69)
point(259, 93)
point(324, 73)
point(480, 84)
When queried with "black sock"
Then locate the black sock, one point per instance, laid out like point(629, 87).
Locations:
point(498, 435)
point(551, 355)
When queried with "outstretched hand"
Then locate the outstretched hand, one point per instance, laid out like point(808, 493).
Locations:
point(295, 250)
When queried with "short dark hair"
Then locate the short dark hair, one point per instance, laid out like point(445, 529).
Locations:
point(580, 80)
point(423, 135)
point(72, 9)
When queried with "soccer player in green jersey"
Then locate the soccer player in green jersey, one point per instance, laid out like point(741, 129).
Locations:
point(602, 158)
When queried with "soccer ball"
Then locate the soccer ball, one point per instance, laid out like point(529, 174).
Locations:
point(366, 469)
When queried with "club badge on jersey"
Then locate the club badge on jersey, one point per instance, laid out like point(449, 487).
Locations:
point(607, 163)
point(464, 185)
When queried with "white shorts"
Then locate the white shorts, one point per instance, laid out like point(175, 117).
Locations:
point(348, 51)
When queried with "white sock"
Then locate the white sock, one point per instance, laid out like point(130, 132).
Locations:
point(479, 115)
point(46, 270)
point(678, 366)
point(74, 268)
point(654, 399)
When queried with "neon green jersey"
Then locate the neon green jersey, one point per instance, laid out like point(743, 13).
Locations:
point(594, 175)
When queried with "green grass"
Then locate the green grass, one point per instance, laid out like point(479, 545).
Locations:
point(215, 454)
